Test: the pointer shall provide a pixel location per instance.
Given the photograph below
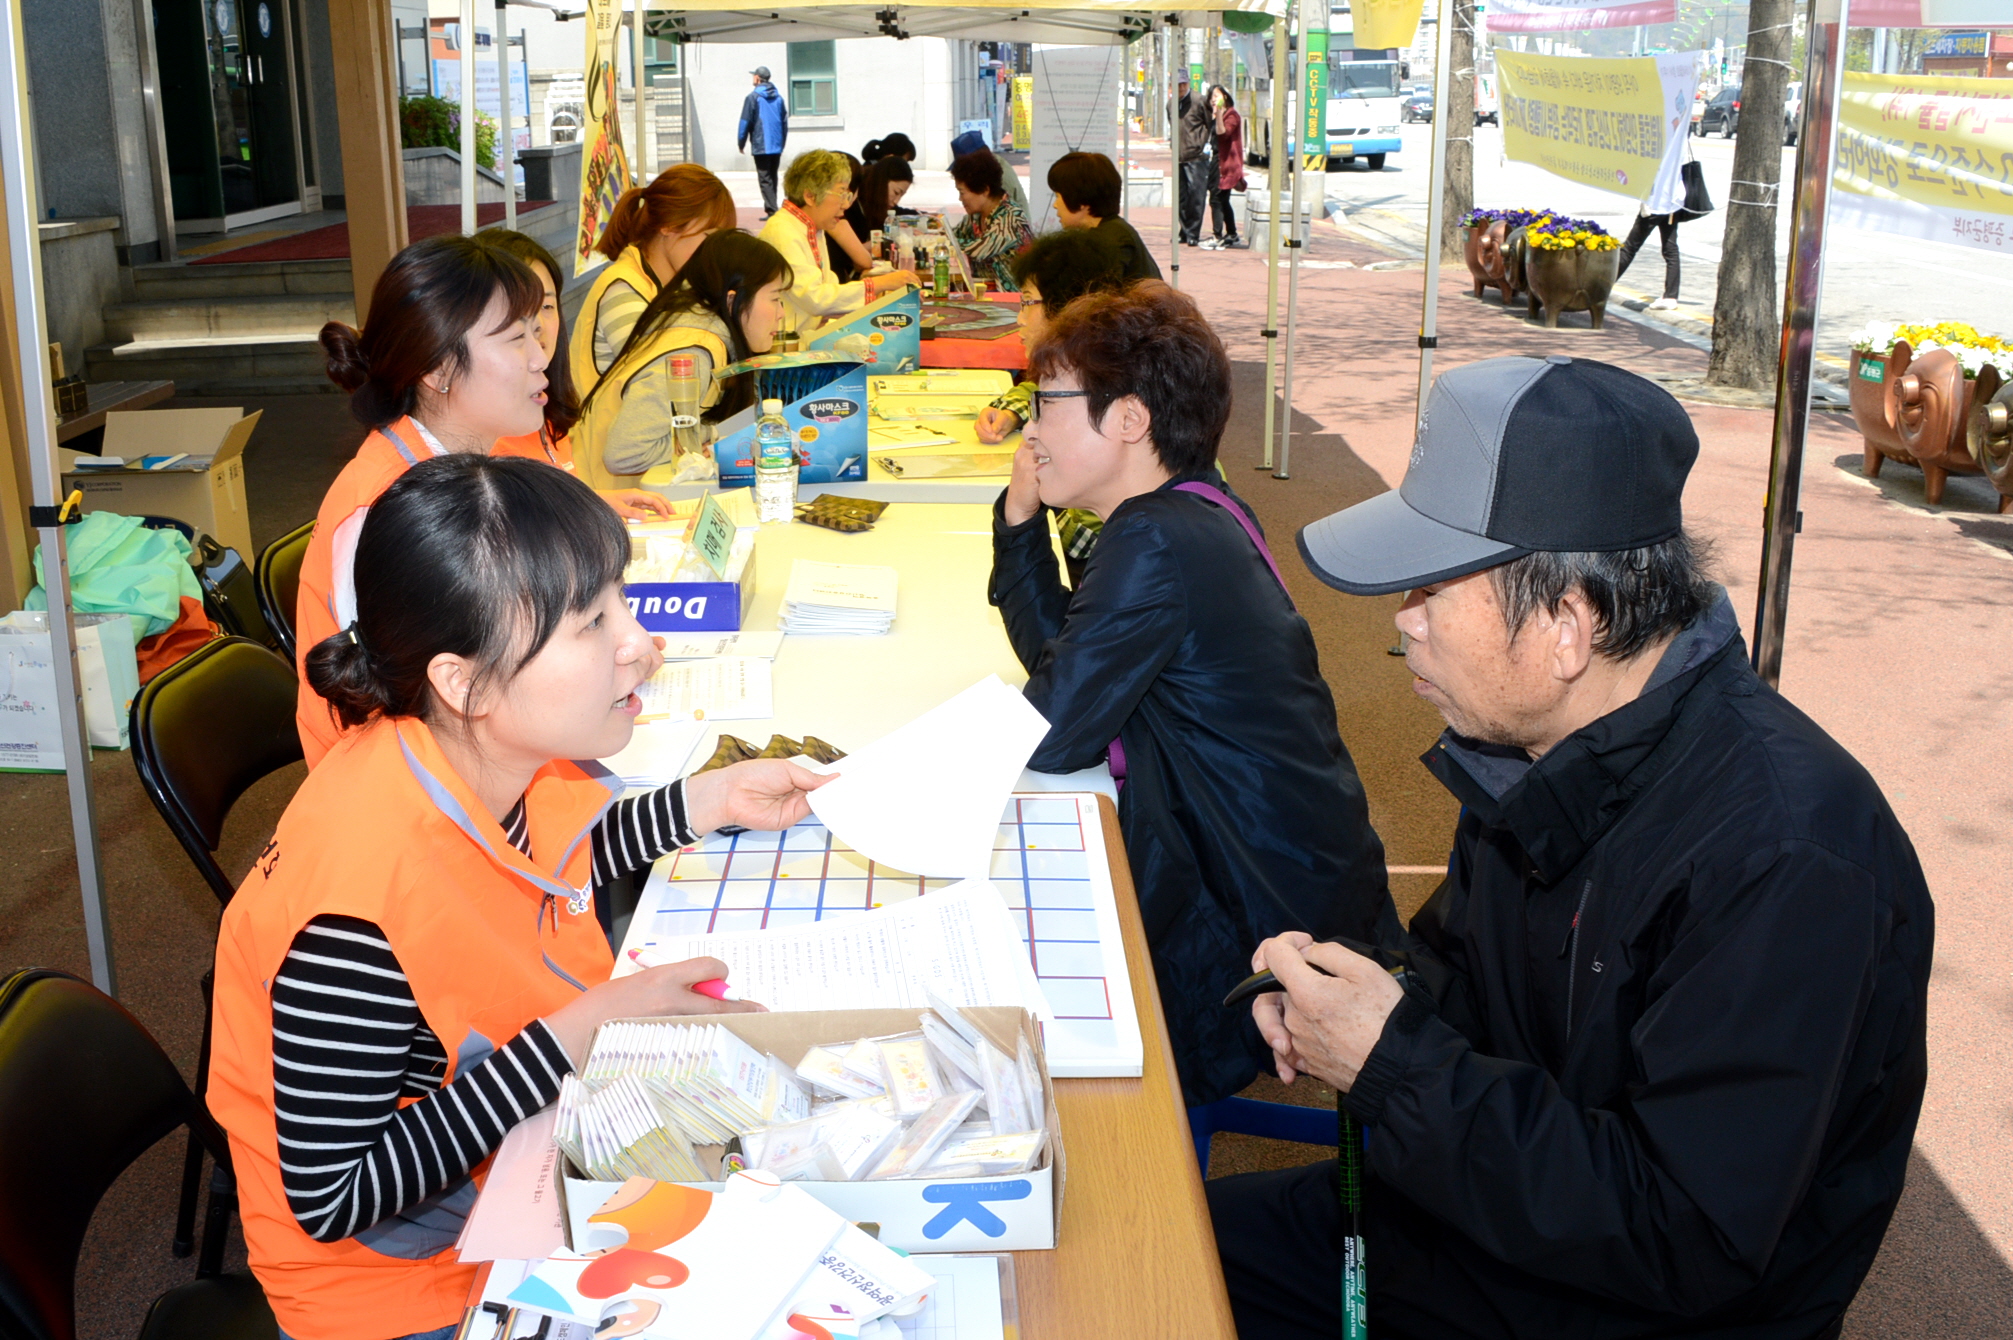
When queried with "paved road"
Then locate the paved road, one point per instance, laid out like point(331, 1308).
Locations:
point(1868, 276)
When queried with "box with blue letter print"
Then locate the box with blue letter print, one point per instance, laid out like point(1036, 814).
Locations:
point(888, 333)
point(951, 1214)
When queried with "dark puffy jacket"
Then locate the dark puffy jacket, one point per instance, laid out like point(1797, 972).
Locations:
point(765, 121)
point(1197, 131)
point(1675, 1054)
point(1242, 812)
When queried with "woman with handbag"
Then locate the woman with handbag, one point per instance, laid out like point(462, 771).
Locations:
point(1696, 204)
point(1229, 130)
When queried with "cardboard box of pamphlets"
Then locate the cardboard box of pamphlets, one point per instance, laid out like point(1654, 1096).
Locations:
point(1017, 1212)
point(181, 463)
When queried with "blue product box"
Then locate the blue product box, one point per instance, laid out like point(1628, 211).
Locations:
point(829, 426)
point(699, 607)
point(893, 330)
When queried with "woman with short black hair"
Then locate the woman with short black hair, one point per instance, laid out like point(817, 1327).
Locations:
point(1088, 192)
point(1179, 659)
point(415, 961)
point(993, 230)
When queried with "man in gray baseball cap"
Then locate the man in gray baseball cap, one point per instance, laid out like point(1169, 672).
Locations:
point(1649, 1061)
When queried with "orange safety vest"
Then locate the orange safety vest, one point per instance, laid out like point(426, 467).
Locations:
point(384, 456)
point(630, 268)
point(489, 941)
point(600, 413)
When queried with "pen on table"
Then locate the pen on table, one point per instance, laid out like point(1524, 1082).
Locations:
point(716, 987)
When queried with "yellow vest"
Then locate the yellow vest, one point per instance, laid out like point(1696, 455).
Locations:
point(590, 434)
point(630, 269)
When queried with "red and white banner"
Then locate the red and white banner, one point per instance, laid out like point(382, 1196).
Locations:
point(1550, 16)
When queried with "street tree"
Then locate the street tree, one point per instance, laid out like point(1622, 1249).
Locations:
point(1746, 320)
point(1460, 113)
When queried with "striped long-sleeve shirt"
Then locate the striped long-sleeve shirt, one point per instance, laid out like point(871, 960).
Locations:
point(349, 1043)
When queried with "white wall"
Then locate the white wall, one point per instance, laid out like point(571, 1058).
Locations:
point(884, 86)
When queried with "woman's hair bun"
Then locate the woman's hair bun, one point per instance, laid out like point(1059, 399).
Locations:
point(340, 670)
point(347, 366)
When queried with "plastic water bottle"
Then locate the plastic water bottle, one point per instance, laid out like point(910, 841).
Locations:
point(685, 393)
point(940, 279)
point(775, 466)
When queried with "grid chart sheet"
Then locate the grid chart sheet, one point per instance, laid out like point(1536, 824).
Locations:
point(1049, 865)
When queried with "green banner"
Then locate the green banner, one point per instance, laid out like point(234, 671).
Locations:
point(1314, 100)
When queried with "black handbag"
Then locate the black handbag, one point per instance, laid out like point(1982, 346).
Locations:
point(1697, 200)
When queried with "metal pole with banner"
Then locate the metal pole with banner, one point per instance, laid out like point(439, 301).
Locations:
point(1167, 41)
point(1275, 161)
point(1436, 209)
point(38, 412)
point(467, 62)
point(1815, 152)
point(506, 134)
point(604, 167)
point(1311, 155)
point(1314, 99)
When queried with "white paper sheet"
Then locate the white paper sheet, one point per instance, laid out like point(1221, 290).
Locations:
point(957, 942)
point(701, 646)
point(521, 1213)
point(730, 688)
point(927, 796)
point(965, 1305)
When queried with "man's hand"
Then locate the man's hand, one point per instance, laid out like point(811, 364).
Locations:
point(997, 425)
point(1023, 495)
point(1322, 1026)
point(636, 504)
point(767, 793)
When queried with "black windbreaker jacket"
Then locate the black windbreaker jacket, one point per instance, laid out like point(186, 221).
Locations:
point(1674, 1052)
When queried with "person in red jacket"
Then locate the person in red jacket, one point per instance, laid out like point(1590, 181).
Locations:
point(1229, 131)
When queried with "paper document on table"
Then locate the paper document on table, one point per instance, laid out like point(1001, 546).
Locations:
point(958, 942)
point(731, 688)
point(927, 796)
point(839, 598)
point(521, 1213)
point(657, 752)
point(974, 1299)
point(929, 465)
point(702, 646)
point(907, 435)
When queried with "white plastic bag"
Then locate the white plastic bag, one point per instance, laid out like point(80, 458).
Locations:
point(30, 739)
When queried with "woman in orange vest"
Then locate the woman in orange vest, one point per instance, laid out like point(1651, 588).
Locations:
point(651, 233)
point(722, 308)
point(414, 961)
point(450, 361)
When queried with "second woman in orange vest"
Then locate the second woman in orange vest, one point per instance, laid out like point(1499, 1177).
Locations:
point(450, 360)
point(415, 962)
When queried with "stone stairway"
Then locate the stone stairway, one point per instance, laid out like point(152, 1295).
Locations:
point(224, 330)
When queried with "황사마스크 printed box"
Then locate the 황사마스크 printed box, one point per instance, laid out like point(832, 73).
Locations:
point(1014, 1213)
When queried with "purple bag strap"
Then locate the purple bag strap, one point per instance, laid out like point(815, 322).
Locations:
point(1116, 755)
point(1217, 496)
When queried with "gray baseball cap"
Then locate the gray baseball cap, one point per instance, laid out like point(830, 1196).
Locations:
point(760, 72)
point(1516, 456)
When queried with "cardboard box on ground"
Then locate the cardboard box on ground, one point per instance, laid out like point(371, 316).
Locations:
point(207, 490)
point(980, 1214)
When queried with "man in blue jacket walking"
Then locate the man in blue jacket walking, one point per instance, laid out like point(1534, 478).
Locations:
point(765, 124)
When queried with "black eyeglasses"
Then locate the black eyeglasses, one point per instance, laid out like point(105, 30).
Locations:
point(1034, 406)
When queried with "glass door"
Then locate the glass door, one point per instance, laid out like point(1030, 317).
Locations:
point(233, 150)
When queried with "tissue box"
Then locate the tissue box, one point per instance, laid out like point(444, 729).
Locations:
point(893, 331)
point(699, 607)
point(949, 1214)
point(828, 425)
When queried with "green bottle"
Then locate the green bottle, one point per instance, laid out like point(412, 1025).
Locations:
point(940, 280)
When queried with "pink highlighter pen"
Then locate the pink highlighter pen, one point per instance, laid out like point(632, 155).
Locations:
point(716, 987)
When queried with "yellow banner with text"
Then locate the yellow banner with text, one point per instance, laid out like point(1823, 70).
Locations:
point(1618, 125)
point(1928, 156)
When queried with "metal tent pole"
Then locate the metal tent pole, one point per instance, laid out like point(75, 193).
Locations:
point(1436, 209)
point(1275, 149)
point(506, 139)
point(1125, 129)
point(31, 355)
point(1173, 154)
point(1294, 243)
point(1815, 149)
point(468, 117)
point(637, 77)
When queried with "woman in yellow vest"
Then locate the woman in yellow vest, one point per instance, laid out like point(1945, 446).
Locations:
point(722, 308)
point(415, 961)
point(651, 232)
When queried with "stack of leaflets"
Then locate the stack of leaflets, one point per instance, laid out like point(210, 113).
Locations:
point(843, 599)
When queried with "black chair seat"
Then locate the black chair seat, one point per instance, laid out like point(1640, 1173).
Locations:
point(224, 1307)
point(279, 581)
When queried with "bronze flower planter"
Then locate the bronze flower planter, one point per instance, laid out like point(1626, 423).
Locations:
point(1917, 413)
point(1482, 248)
point(1989, 434)
point(1573, 279)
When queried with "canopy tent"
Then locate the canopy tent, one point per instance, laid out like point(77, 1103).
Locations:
point(1056, 22)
